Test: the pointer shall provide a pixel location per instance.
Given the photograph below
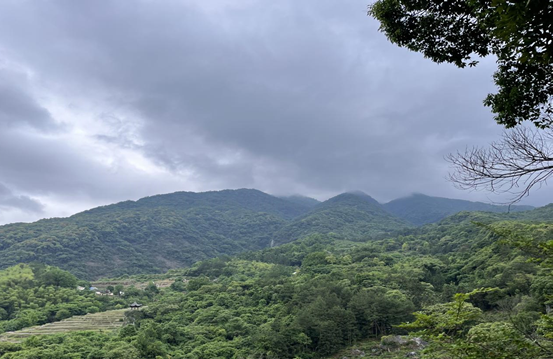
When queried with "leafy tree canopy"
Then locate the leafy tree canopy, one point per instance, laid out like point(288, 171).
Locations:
point(473, 288)
point(518, 33)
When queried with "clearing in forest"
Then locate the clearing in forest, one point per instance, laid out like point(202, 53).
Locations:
point(104, 321)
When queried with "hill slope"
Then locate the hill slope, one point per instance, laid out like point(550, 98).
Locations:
point(315, 297)
point(243, 199)
point(355, 215)
point(153, 234)
point(307, 202)
point(162, 232)
point(420, 209)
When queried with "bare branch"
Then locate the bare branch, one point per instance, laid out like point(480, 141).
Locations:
point(521, 160)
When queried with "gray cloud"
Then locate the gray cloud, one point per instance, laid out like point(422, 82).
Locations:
point(17, 107)
point(288, 97)
point(9, 200)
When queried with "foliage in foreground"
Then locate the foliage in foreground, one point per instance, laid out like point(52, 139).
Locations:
point(517, 33)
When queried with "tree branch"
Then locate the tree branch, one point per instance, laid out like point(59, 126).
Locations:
point(521, 160)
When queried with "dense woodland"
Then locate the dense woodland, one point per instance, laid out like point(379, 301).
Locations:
point(158, 233)
point(473, 285)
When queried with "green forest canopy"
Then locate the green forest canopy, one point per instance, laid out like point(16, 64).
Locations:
point(158, 233)
point(312, 297)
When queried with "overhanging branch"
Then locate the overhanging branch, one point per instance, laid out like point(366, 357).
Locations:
point(521, 160)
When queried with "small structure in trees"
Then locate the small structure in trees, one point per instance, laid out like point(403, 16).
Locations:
point(135, 306)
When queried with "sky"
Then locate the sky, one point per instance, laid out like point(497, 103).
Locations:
point(104, 101)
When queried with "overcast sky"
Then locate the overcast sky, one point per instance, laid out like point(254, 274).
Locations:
point(103, 101)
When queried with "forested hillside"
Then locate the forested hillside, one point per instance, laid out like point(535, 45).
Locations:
point(420, 209)
point(158, 233)
point(161, 232)
point(246, 199)
point(355, 215)
point(150, 235)
point(476, 285)
point(302, 200)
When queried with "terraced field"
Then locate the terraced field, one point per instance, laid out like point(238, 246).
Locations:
point(105, 321)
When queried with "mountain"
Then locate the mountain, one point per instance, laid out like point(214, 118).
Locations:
point(307, 202)
point(355, 215)
point(150, 235)
point(168, 231)
point(244, 199)
point(420, 209)
point(318, 297)
point(162, 232)
point(330, 290)
point(541, 214)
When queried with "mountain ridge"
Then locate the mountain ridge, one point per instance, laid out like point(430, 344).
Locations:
point(353, 214)
point(248, 199)
point(158, 233)
point(420, 209)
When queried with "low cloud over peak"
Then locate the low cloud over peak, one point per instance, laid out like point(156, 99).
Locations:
point(120, 101)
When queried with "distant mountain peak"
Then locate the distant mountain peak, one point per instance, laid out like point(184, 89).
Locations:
point(420, 209)
point(355, 215)
point(352, 196)
point(357, 193)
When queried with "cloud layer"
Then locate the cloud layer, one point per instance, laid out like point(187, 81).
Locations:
point(106, 101)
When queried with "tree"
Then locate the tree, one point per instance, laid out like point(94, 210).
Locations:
point(59, 278)
point(518, 33)
point(148, 343)
point(151, 289)
point(63, 314)
point(522, 159)
point(118, 289)
point(377, 309)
